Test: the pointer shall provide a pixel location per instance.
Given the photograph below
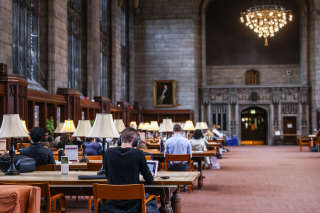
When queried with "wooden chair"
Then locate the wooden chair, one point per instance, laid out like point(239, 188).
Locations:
point(148, 157)
point(121, 192)
point(179, 157)
point(51, 201)
point(304, 141)
point(93, 166)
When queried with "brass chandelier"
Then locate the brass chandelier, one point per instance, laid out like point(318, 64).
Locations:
point(266, 20)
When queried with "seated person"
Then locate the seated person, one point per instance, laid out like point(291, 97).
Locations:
point(198, 143)
point(48, 140)
point(93, 148)
point(122, 166)
point(41, 155)
point(178, 144)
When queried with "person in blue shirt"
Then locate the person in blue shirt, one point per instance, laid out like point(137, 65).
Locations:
point(93, 148)
point(178, 144)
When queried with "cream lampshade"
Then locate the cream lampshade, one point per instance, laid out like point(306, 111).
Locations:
point(59, 128)
point(68, 127)
point(103, 127)
point(201, 125)
point(146, 126)
point(133, 124)
point(141, 126)
point(154, 126)
point(166, 126)
point(83, 128)
point(12, 127)
point(119, 125)
point(25, 126)
point(188, 126)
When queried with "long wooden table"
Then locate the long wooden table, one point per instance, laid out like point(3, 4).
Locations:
point(71, 185)
point(197, 157)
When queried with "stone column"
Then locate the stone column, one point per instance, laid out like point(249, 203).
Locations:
point(93, 48)
point(229, 119)
point(271, 130)
point(299, 127)
point(202, 113)
point(6, 34)
point(209, 119)
point(57, 45)
point(237, 126)
point(279, 117)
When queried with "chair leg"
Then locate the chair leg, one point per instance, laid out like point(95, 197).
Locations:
point(89, 204)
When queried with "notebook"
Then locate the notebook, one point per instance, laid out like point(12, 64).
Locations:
point(153, 167)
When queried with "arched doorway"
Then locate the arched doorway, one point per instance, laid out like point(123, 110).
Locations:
point(254, 125)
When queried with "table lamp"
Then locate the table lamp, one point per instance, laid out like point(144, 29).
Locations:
point(141, 126)
point(133, 124)
point(26, 129)
point(68, 128)
point(201, 125)
point(82, 131)
point(119, 125)
point(167, 126)
point(188, 126)
point(154, 127)
point(58, 130)
point(12, 127)
point(103, 127)
point(146, 127)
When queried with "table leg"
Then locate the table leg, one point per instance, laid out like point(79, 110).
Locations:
point(200, 179)
point(176, 202)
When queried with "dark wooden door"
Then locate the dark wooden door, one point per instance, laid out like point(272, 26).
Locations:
point(289, 130)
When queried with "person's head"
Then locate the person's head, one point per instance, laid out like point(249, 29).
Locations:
point(36, 134)
point(177, 128)
point(129, 136)
point(197, 134)
point(46, 134)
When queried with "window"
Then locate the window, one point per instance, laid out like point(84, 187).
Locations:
point(252, 77)
point(103, 13)
point(124, 52)
point(74, 44)
point(219, 117)
point(25, 48)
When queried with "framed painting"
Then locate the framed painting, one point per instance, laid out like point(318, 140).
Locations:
point(164, 93)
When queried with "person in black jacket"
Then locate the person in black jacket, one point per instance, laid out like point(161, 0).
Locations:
point(122, 166)
point(41, 155)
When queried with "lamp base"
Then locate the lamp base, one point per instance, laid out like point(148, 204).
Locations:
point(84, 160)
point(12, 171)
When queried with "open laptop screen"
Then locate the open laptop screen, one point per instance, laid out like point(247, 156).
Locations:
point(153, 167)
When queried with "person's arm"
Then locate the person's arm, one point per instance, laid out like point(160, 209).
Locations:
point(205, 145)
point(144, 170)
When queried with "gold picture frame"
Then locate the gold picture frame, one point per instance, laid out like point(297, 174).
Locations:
point(164, 93)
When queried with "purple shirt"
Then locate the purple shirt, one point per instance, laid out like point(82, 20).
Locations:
point(178, 144)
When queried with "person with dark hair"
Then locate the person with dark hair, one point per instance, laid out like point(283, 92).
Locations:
point(122, 166)
point(198, 143)
point(47, 140)
point(178, 144)
point(93, 147)
point(41, 155)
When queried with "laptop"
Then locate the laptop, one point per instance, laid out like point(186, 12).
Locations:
point(153, 167)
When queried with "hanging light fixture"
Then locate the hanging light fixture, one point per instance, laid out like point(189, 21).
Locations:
point(266, 20)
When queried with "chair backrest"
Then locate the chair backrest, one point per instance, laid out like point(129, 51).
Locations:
point(119, 192)
point(47, 167)
point(94, 157)
point(304, 139)
point(178, 157)
point(148, 157)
